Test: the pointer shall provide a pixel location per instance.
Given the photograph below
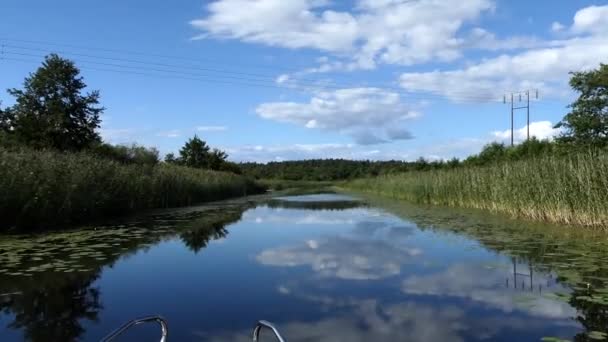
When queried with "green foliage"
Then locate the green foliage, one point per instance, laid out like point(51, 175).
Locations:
point(568, 189)
point(195, 153)
point(587, 123)
point(128, 154)
point(51, 111)
point(170, 158)
point(217, 159)
point(328, 170)
point(43, 189)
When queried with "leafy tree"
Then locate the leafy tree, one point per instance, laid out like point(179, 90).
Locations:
point(51, 109)
point(492, 152)
point(5, 119)
point(128, 154)
point(171, 159)
point(7, 139)
point(587, 122)
point(195, 153)
point(217, 159)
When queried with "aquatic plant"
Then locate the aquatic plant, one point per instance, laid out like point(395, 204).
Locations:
point(43, 189)
point(571, 189)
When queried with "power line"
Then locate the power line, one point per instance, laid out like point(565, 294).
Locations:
point(464, 96)
point(238, 80)
point(191, 72)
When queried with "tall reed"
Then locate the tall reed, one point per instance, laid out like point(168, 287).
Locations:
point(42, 189)
point(570, 189)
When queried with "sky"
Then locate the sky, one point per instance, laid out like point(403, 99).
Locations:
point(272, 80)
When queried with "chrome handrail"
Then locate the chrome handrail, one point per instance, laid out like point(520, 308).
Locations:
point(266, 324)
point(161, 321)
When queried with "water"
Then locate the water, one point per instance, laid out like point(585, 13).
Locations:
point(321, 267)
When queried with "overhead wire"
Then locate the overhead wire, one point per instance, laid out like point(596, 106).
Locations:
point(224, 76)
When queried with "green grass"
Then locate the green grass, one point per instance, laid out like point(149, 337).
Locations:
point(45, 189)
point(561, 189)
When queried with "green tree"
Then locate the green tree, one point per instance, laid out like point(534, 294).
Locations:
point(217, 159)
point(587, 122)
point(195, 153)
point(171, 159)
point(51, 109)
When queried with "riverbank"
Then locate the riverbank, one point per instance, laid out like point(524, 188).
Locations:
point(45, 189)
point(570, 189)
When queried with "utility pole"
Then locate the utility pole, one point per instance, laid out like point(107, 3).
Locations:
point(513, 109)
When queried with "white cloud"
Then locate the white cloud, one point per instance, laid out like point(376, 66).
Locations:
point(396, 32)
point(557, 27)
point(546, 68)
point(364, 113)
point(314, 151)
point(541, 130)
point(592, 19)
point(170, 134)
point(117, 135)
point(211, 128)
point(440, 150)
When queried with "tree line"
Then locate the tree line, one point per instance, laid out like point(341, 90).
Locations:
point(53, 111)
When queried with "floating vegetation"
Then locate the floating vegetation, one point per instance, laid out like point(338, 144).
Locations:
point(576, 258)
point(87, 250)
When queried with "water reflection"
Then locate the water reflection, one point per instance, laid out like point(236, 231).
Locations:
point(366, 253)
point(316, 202)
point(322, 269)
point(55, 311)
point(52, 303)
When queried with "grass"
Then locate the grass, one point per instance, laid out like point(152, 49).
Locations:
point(570, 189)
point(45, 189)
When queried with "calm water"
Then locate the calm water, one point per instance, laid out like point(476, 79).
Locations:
point(322, 267)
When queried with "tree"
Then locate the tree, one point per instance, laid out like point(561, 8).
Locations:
point(587, 122)
point(217, 159)
point(51, 109)
point(170, 159)
point(195, 153)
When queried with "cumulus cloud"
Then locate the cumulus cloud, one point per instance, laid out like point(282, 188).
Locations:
point(541, 130)
point(546, 68)
point(439, 150)
point(592, 19)
point(364, 113)
point(396, 32)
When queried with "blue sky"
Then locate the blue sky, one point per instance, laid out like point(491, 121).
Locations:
point(274, 80)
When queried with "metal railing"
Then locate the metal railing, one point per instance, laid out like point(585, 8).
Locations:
point(165, 331)
point(161, 321)
point(268, 325)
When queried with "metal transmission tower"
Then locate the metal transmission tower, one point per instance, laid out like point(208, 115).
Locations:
point(526, 93)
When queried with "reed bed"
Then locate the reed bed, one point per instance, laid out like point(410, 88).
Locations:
point(44, 189)
point(570, 189)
